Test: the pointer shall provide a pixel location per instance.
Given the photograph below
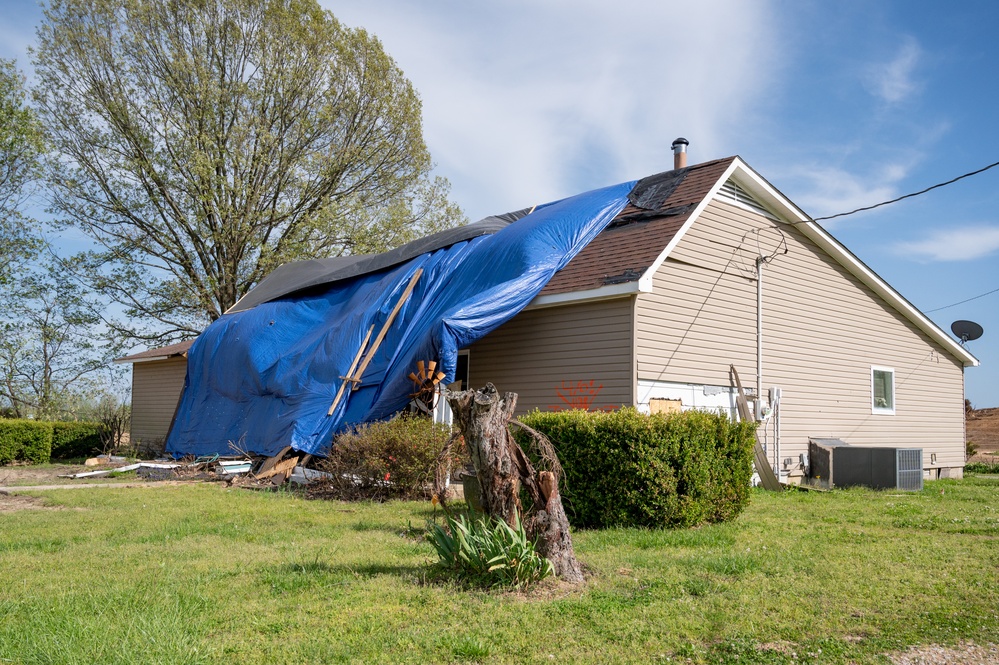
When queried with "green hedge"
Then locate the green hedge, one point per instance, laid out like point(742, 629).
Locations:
point(40, 441)
point(982, 467)
point(25, 440)
point(626, 468)
point(79, 439)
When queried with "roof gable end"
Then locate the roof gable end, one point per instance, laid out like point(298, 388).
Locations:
point(766, 196)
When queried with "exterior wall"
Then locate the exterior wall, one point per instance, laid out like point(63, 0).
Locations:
point(823, 330)
point(156, 387)
point(544, 355)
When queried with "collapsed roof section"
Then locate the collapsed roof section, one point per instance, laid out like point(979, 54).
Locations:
point(329, 344)
point(292, 277)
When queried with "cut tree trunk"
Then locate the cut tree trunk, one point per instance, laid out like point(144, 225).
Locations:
point(502, 468)
point(552, 528)
point(482, 417)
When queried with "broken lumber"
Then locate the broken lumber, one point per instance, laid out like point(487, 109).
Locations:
point(270, 462)
point(279, 468)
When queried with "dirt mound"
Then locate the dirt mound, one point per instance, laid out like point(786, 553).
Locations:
point(983, 430)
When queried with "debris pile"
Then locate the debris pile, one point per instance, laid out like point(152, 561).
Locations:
point(244, 470)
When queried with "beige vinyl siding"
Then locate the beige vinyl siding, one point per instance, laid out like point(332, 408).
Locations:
point(156, 387)
point(823, 331)
point(536, 351)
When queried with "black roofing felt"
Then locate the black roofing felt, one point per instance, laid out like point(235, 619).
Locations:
point(292, 277)
point(651, 193)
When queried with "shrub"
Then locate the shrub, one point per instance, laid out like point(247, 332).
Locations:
point(982, 467)
point(625, 468)
point(25, 440)
point(487, 552)
point(75, 439)
point(970, 449)
point(387, 460)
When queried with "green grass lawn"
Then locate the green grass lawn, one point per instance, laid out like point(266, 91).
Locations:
point(204, 574)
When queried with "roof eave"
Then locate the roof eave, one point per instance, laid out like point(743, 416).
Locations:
point(128, 360)
point(607, 292)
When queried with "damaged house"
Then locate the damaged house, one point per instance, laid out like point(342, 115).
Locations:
point(643, 294)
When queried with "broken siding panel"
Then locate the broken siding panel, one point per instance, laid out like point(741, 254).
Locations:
point(823, 330)
point(535, 352)
point(156, 388)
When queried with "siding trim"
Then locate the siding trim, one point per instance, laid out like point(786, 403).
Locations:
point(634, 351)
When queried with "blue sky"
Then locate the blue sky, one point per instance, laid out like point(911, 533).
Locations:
point(838, 104)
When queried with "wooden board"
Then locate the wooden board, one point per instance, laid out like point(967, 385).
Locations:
point(385, 328)
point(662, 405)
point(350, 372)
point(270, 462)
point(763, 468)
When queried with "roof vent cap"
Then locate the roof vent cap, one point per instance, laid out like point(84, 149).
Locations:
point(680, 153)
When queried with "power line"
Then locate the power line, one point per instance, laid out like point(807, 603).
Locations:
point(901, 198)
point(962, 302)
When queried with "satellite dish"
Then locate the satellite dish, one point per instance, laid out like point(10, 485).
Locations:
point(967, 331)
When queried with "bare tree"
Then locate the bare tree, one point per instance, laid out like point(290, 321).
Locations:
point(49, 349)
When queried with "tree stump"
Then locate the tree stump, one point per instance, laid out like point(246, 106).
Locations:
point(552, 528)
point(482, 417)
point(503, 469)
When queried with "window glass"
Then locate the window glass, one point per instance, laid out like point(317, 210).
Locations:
point(883, 384)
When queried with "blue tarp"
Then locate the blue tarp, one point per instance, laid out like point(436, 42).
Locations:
point(265, 378)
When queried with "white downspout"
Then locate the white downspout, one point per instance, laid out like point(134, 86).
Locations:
point(759, 334)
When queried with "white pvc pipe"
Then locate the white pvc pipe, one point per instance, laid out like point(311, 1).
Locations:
point(759, 335)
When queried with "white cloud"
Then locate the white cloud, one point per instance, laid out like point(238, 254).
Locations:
point(525, 102)
point(894, 81)
point(963, 244)
point(828, 190)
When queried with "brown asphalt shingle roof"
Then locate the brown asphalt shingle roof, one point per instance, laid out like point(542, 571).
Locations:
point(623, 251)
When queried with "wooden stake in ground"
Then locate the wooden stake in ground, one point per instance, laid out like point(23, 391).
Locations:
point(503, 469)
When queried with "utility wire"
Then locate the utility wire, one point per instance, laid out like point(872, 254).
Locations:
point(901, 198)
point(962, 302)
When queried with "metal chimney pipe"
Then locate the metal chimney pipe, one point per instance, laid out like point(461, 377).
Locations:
point(680, 153)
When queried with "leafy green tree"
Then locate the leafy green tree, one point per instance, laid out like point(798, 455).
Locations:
point(204, 142)
point(21, 147)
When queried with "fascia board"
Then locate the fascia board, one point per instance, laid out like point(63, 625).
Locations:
point(602, 293)
point(132, 361)
point(754, 182)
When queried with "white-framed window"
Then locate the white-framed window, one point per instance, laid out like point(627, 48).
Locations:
point(883, 390)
